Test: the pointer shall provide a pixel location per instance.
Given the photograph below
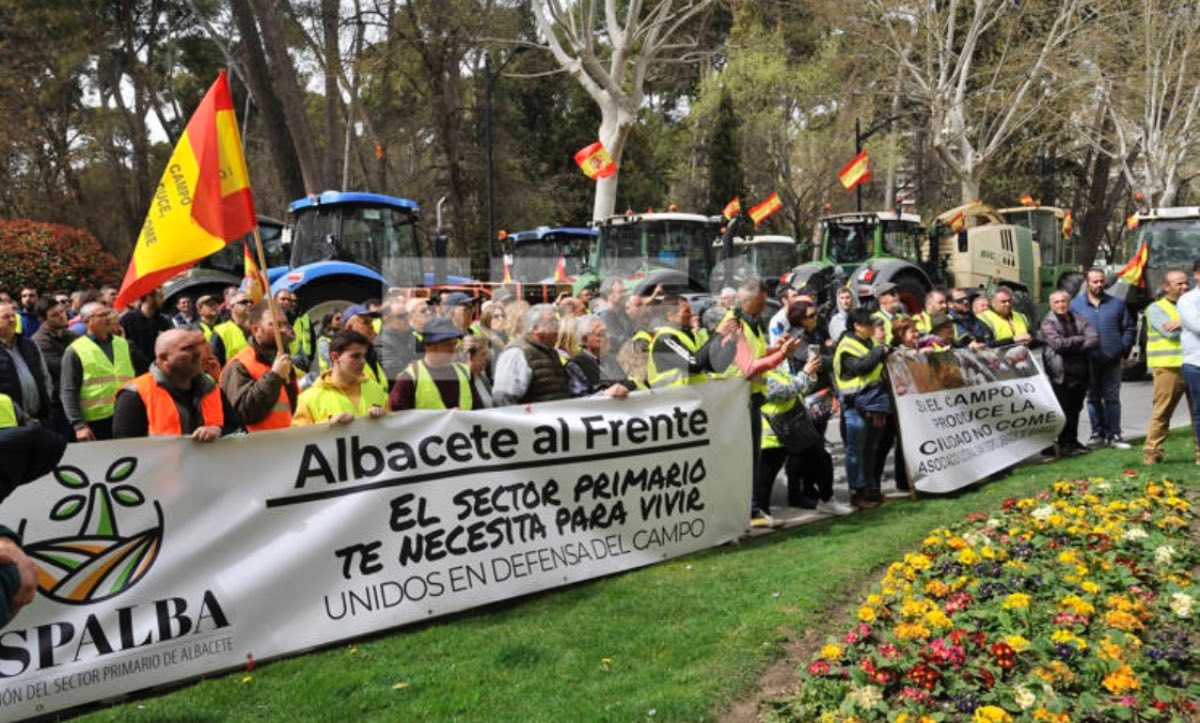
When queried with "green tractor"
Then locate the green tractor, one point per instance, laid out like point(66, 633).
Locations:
point(673, 249)
point(1059, 265)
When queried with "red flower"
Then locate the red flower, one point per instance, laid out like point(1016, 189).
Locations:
point(1005, 656)
point(818, 667)
point(924, 676)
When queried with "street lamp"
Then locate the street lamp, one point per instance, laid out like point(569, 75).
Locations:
point(489, 82)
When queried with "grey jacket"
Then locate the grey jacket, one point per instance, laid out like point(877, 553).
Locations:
point(1067, 345)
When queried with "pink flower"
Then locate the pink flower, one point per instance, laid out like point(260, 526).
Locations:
point(818, 667)
point(889, 651)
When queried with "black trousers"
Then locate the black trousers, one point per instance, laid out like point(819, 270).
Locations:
point(1070, 395)
point(809, 476)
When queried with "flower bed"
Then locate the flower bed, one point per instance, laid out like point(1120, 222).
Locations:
point(1075, 605)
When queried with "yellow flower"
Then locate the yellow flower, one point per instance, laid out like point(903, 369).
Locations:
point(831, 651)
point(913, 608)
point(1122, 620)
point(1043, 714)
point(1068, 557)
point(1077, 605)
point(937, 588)
point(1017, 643)
point(1016, 600)
point(866, 613)
point(1109, 650)
point(967, 556)
point(1089, 587)
point(917, 561)
point(1066, 636)
point(956, 542)
point(991, 714)
point(1122, 680)
point(937, 619)
point(910, 631)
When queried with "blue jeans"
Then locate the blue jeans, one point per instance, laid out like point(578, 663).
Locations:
point(862, 442)
point(1104, 398)
point(1191, 376)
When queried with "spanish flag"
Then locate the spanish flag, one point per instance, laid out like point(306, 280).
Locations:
point(560, 271)
point(1131, 221)
point(255, 282)
point(1134, 271)
point(202, 202)
point(768, 206)
point(1068, 224)
point(958, 222)
point(1027, 200)
point(855, 172)
point(732, 209)
point(595, 162)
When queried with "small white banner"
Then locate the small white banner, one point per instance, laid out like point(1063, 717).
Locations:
point(964, 415)
point(163, 559)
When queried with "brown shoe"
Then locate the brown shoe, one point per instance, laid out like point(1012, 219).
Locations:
point(861, 501)
point(1149, 458)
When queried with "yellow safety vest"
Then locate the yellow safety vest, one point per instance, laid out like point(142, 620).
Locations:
point(1004, 329)
point(672, 377)
point(427, 395)
point(102, 377)
point(324, 400)
point(303, 340)
point(232, 337)
point(19, 327)
point(852, 345)
point(758, 348)
point(887, 324)
point(8, 412)
point(1162, 352)
point(924, 322)
point(772, 407)
point(375, 373)
point(207, 329)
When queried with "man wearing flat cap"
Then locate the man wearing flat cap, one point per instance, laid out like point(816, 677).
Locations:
point(436, 381)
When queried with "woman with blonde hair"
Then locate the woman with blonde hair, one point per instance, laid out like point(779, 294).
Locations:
point(476, 353)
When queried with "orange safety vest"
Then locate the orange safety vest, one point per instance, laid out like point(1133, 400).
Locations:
point(161, 413)
point(280, 416)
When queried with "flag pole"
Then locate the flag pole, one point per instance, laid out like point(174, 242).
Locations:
point(262, 272)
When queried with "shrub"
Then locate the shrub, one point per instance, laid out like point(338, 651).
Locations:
point(52, 256)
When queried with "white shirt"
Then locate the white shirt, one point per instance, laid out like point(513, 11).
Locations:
point(1188, 307)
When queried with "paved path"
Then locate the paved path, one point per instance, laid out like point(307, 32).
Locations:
point(1135, 416)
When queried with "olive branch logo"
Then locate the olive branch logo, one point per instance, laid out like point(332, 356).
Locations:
point(99, 562)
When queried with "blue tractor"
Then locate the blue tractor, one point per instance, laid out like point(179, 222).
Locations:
point(348, 247)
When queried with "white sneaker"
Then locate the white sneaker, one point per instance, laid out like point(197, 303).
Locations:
point(1118, 443)
point(833, 507)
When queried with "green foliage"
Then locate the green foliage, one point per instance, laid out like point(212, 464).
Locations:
point(51, 256)
point(725, 180)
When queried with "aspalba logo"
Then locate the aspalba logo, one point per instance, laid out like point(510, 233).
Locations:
point(99, 562)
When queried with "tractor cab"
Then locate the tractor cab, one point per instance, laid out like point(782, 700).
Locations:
point(767, 257)
point(674, 247)
point(536, 253)
point(1047, 224)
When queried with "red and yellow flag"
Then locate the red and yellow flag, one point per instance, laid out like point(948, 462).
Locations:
point(857, 171)
point(202, 202)
point(1068, 224)
point(1027, 200)
point(507, 270)
point(1131, 221)
point(958, 222)
point(768, 206)
point(595, 162)
point(1134, 271)
point(560, 271)
point(254, 283)
point(732, 209)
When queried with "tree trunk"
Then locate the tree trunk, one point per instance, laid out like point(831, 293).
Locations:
point(258, 78)
point(283, 75)
point(333, 58)
point(615, 124)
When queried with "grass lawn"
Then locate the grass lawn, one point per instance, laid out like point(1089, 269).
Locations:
point(677, 641)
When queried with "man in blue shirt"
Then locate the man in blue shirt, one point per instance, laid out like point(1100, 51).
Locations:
point(1111, 319)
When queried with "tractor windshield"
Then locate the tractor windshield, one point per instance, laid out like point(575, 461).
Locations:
point(535, 260)
point(1172, 242)
point(371, 235)
point(902, 239)
point(774, 259)
point(668, 243)
point(848, 243)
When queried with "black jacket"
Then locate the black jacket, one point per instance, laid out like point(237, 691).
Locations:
point(10, 383)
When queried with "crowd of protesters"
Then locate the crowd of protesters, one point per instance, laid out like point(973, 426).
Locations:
point(212, 366)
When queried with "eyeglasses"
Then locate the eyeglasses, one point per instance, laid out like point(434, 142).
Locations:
point(243, 302)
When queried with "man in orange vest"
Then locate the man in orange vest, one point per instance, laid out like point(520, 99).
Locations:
point(175, 397)
point(258, 381)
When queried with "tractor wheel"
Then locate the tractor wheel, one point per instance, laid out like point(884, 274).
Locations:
point(1071, 282)
point(1023, 303)
point(912, 292)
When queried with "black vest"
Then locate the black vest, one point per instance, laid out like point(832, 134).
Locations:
point(549, 381)
point(10, 383)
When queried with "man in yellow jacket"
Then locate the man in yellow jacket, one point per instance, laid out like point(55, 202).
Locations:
point(344, 391)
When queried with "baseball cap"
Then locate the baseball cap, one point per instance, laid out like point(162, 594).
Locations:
point(457, 298)
point(440, 329)
point(356, 310)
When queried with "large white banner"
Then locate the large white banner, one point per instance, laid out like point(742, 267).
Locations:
point(964, 415)
point(162, 559)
